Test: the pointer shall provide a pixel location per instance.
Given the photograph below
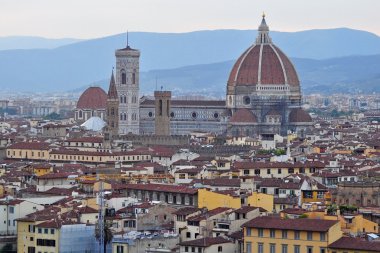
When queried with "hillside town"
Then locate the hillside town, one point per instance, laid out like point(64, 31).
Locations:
point(263, 171)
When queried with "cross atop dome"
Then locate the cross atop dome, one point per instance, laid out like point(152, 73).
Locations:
point(263, 36)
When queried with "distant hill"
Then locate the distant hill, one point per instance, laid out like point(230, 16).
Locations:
point(72, 66)
point(32, 42)
point(349, 74)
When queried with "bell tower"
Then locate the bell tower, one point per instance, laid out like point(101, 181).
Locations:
point(112, 116)
point(128, 86)
point(162, 112)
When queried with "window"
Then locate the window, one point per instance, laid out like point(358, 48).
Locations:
point(320, 195)
point(246, 100)
point(220, 249)
point(284, 248)
point(260, 248)
point(248, 247)
point(260, 232)
point(133, 79)
point(46, 231)
point(120, 249)
point(297, 249)
point(296, 235)
point(322, 250)
point(31, 250)
point(309, 249)
point(268, 171)
point(272, 248)
point(322, 236)
point(52, 231)
point(194, 115)
point(284, 234)
point(186, 249)
point(246, 172)
point(31, 238)
point(188, 235)
point(192, 249)
point(123, 77)
point(11, 209)
point(279, 171)
point(309, 236)
point(40, 230)
point(248, 232)
point(272, 233)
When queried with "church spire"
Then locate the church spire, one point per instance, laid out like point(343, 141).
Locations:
point(112, 91)
point(263, 36)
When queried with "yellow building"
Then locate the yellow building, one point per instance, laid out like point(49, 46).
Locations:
point(275, 235)
point(41, 169)
point(28, 150)
point(262, 200)
point(316, 195)
point(350, 224)
point(53, 235)
point(212, 200)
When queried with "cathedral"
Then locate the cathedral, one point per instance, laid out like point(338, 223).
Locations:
point(263, 98)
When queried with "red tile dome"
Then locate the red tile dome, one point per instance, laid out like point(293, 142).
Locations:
point(92, 98)
point(243, 116)
point(263, 63)
point(298, 115)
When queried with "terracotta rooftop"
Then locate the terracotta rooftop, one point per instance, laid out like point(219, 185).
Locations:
point(162, 188)
point(243, 116)
point(30, 145)
point(299, 115)
point(316, 225)
point(354, 244)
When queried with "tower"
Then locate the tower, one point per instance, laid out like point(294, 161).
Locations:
point(112, 115)
point(127, 85)
point(162, 112)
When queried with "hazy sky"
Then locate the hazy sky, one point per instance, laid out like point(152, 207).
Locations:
point(97, 18)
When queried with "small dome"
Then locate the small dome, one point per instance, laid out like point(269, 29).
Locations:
point(243, 116)
point(93, 98)
point(299, 115)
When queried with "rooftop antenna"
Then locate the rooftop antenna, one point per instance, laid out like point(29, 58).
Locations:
point(162, 87)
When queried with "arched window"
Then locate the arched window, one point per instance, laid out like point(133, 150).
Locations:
point(134, 117)
point(125, 116)
point(123, 77)
point(112, 111)
point(133, 77)
point(121, 116)
point(80, 114)
point(134, 99)
point(125, 99)
point(121, 99)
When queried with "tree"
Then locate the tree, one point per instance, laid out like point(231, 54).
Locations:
point(108, 236)
point(53, 116)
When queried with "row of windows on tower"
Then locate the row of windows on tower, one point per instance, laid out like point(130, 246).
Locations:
point(124, 77)
point(124, 99)
point(124, 116)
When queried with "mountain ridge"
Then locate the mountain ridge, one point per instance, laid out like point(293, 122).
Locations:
point(74, 65)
